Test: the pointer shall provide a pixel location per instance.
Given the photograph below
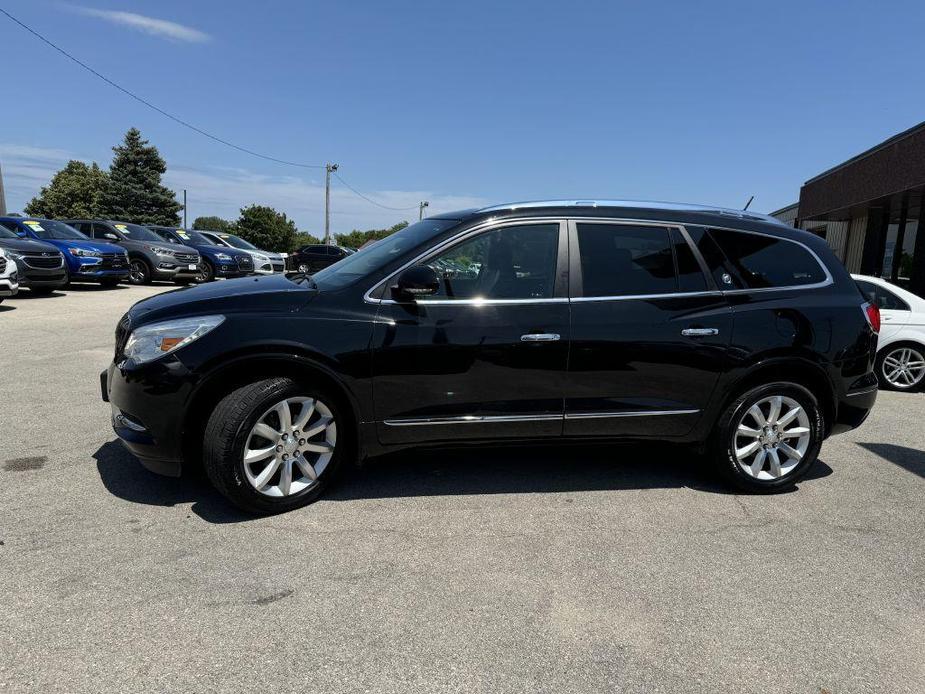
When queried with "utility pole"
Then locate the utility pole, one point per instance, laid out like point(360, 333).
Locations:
point(421, 206)
point(184, 209)
point(2, 196)
point(328, 169)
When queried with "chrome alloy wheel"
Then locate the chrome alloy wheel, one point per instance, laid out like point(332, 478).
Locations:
point(903, 367)
point(138, 272)
point(772, 437)
point(290, 446)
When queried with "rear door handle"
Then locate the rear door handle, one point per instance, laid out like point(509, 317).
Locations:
point(699, 332)
point(539, 337)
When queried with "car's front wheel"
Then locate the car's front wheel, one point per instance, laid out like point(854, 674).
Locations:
point(901, 366)
point(139, 272)
point(769, 437)
point(274, 445)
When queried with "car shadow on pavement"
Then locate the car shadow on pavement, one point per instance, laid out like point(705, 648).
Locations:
point(30, 295)
point(125, 477)
point(445, 472)
point(911, 459)
point(6, 307)
point(535, 470)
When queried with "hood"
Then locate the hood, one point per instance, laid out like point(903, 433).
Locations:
point(98, 246)
point(175, 247)
point(271, 293)
point(28, 245)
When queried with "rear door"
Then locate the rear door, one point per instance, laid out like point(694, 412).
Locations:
point(486, 356)
point(650, 331)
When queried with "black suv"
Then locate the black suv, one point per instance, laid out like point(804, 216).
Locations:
point(724, 330)
point(317, 257)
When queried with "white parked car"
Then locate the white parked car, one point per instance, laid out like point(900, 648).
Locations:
point(265, 262)
point(901, 347)
point(9, 280)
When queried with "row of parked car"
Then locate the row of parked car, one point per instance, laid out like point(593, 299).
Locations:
point(47, 254)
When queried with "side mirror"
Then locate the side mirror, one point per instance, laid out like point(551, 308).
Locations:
point(416, 281)
point(21, 234)
point(109, 236)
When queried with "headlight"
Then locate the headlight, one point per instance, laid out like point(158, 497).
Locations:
point(150, 342)
point(84, 253)
point(13, 255)
point(223, 256)
point(261, 259)
point(160, 251)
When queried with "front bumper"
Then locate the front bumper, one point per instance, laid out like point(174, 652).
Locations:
point(172, 270)
point(151, 428)
point(9, 286)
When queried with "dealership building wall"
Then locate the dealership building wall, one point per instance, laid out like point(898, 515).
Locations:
point(869, 210)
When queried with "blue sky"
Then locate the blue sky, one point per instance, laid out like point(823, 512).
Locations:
point(463, 103)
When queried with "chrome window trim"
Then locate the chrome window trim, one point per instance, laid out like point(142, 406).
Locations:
point(633, 413)
point(516, 221)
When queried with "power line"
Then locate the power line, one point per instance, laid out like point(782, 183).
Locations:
point(370, 200)
point(152, 106)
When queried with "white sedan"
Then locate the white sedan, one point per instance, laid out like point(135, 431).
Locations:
point(901, 347)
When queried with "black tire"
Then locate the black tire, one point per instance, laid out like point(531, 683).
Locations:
point(881, 376)
point(722, 451)
point(206, 272)
point(226, 435)
point(109, 283)
point(140, 272)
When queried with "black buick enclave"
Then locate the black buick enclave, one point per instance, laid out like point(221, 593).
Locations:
point(721, 329)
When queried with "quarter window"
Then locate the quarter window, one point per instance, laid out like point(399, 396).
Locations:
point(516, 262)
point(625, 260)
point(884, 298)
point(765, 261)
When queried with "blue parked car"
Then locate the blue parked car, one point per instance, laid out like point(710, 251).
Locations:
point(217, 261)
point(85, 259)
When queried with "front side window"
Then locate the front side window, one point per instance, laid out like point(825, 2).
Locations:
point(883, 298)
point(515, 262)
point(625, 260)
point(766, 261)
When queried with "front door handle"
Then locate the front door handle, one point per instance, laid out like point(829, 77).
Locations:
point(539, 337)
point(699, 332)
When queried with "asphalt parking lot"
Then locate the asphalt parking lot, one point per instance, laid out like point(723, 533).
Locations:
point(529, 570)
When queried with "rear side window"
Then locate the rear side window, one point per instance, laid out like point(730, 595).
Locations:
point(625, 260)
point(884, 298)
point(765, 261)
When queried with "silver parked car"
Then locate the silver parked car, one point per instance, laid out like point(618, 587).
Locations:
point(265, 262)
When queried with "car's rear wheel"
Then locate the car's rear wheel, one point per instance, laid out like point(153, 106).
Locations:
point(769, 437)
point(139, 272)
point(901, 366)
point(275, 445)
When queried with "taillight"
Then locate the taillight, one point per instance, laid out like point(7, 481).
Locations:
point(872, 312)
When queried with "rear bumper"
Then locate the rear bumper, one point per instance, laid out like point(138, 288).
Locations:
point(853, 408)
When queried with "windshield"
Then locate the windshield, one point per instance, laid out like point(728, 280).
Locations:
point(195, 237)
point(136, 232)
point(50, 229)
point(237, 242)
point(378, 255)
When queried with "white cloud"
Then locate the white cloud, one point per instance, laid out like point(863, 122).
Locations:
point(149, 25)
point(223, 191)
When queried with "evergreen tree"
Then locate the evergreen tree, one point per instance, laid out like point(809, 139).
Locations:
point(74, 192)
point(134, 192)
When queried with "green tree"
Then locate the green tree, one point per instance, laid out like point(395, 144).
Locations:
point(266, 228)
point(214, 224)
point(357, 238)
point(74, 192)
point(134, 192)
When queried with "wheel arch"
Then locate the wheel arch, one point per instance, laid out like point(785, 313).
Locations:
point(242, 368)
point(794, 370)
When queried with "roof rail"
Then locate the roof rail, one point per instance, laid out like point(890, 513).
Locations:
point(639, 204)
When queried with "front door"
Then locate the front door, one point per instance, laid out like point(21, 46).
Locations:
point(486, 356)
point(649, 331)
